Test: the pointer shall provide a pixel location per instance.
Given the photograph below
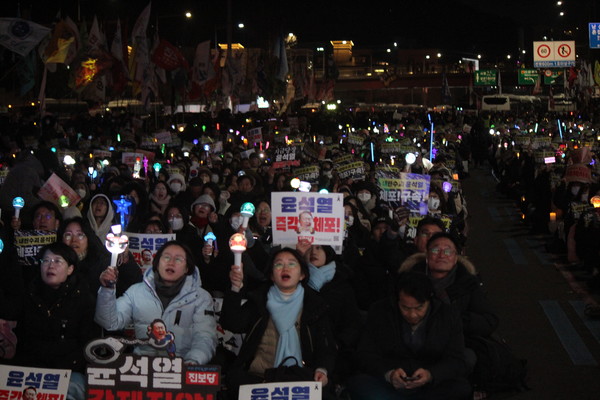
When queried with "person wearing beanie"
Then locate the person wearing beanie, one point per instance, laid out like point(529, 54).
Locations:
point(203, 211)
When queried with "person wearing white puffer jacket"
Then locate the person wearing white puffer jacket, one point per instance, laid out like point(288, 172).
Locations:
point(171, 291)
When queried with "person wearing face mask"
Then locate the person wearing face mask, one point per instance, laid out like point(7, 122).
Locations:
point(100, 215)
point(177, 220)
point(177, 183)
point(367, 196)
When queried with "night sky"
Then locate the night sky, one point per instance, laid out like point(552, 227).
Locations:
point(477, 26)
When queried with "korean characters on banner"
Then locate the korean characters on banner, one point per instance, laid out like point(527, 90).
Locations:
point(24, 383)
point(355, 171)
point(152, 378)
point(282, 390)
point(286, 157)
point(28, 244)
point(309, 173)
point(410, 190)
point(144, 246)
point(314, 217)
point(255, 135)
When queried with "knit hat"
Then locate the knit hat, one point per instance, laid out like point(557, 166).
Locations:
point(206, 199)
point(177, 177)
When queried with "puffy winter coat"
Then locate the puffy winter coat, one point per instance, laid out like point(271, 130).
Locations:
point(189, 316)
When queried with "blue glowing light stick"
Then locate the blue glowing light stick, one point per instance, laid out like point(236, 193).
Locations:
point(123, 209)
point(559, 129)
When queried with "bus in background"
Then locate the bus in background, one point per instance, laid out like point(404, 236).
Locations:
point(510, 102)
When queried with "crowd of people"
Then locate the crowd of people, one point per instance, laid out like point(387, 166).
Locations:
point(390, 316)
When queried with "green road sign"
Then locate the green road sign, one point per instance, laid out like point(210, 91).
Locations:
point(553, 76)
point(527, 76)
point(486, 77)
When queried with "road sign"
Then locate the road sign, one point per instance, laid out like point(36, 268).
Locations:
point(485, 77)
point(554, 54)
point(528, 76)
point(594, 35)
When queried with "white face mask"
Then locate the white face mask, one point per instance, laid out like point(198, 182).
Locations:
point(81, 192)
point(328, 174)
point(176, 223)
point(236, 222)
point(433, 203)
point(214, 178)
point(175, 187)
point(364, 197)
point(350, 220)
point(575, 190)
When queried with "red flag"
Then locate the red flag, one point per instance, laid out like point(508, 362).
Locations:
point(168, 56)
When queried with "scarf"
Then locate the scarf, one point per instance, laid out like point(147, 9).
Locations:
point(158, 204)
point(167, 293)
point(199, 222)
point(440, 285)
point(320, 276)
point(284, 312)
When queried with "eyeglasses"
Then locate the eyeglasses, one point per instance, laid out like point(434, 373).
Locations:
point(47, 217)
point(47, 261)
point(447, 251)
point(178, 260)
point(68, 236)
point(264, 210)
point(291, 265)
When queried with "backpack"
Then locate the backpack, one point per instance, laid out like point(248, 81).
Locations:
point(497, 369)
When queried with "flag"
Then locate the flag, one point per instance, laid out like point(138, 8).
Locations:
point(26, 73)
point(537, 89)
point(160, 72)
point(119, 68)
point(20, 35)
point(499, 82)
point(95, 38)
point(597, 72)
point(446, 95)
point(202, 64)
point(167, 56)
point(281, 55)
point(59, 49)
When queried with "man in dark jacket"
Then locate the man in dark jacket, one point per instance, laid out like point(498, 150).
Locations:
point(412, 347)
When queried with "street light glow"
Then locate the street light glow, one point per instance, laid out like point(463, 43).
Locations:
point(188, 14)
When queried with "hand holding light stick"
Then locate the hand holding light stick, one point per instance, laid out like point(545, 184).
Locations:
point(237, 244)
point(247, 211)
point(18, 203)
point(209, 238)
point(116, 243)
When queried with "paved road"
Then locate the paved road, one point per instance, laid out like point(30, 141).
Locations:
point(540, 306)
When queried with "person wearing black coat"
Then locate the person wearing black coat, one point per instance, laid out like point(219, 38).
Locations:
point(56, 318)
point(331, 278)
point(263, 341)
point(412, 347)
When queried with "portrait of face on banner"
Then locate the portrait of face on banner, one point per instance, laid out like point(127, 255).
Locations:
point(144, 246)
point(314, 217)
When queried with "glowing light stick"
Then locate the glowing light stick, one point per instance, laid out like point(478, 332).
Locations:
point(295, 183)
point(247, 211)
point(237, 244)
point(447, 187)
point(1, 246)
point(18, 203)
point(137, 167)
point(122, 208)
point(116, 243)
point(595, 201)
point(64, 201)
point(157, 168)
point(209, 238)
point(145, 166)
point(559, 129)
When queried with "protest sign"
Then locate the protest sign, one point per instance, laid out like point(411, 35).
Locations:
point(355, 170)
point(29, 243)
point(144, 246)
point(285, 157)
point(282, 390)
point(54, 188)
point(255, 135)
point(315, 217)
point(152, 378)
point(47, 383)
point(407, 189)
point(308, 173)
point(413, 221)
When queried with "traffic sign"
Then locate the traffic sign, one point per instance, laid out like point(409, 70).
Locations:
point(554, 54)
point(528, 76)
point(485, 77)
point(594, 35)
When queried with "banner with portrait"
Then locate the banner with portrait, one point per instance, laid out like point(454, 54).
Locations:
point(25, 383)
point(144, 246)
point(314, 217)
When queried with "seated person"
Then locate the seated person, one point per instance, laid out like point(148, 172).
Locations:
point(285, 321)
point(412, 347)
point(170, 292)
